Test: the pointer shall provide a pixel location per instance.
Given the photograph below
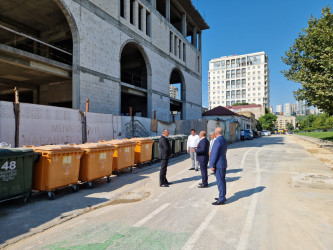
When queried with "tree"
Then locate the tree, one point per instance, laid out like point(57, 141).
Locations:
point(267, 121)
point(311, 62)
point(289, 126)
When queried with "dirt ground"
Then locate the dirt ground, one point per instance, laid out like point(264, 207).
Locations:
point(323, 154)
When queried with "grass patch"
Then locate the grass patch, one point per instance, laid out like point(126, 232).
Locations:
point(320, 135)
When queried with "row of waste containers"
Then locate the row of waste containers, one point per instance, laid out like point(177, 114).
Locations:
point(47, 168)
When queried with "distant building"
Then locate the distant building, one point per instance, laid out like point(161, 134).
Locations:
point(271, 108)
point(226, 114)
point(287, 109)
point(301, 108)
point(256, 109)
point(174, 92)
point(282, 120)
point(279, 109)
point(293, 108)
point(239, 79)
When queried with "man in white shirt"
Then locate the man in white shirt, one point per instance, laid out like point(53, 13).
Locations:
point(212, 139)
point(192, 142)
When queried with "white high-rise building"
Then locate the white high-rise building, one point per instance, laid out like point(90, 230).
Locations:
point(287, 109)
point(279, 109)
point(239, 79)
point(173, 91)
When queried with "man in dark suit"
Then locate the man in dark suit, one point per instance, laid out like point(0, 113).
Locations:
point(202, 157)
point(165, 153)
point(218, 158)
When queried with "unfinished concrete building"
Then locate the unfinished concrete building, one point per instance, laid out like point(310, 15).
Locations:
point(116, 53)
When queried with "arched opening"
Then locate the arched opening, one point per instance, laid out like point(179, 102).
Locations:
point(177, 94)
point(36, 52)
point(134, 80)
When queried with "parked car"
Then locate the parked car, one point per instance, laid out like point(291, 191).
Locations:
point(248, 134)
point(266, 132)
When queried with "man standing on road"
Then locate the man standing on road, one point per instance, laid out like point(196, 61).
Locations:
point(165, 153)
point(192, 143)
point(218, 158)
point(212, 139)
point(203, 157)
point(242, 135)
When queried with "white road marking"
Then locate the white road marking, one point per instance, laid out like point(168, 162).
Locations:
point(196, 235)
point(196, 183)
point(242, 244)
point(161, 195)
point(194, 238)
point(151, 215)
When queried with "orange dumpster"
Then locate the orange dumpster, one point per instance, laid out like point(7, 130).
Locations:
point(143, 150)
point(123, 156)
point(58, 167)
point(96, 162)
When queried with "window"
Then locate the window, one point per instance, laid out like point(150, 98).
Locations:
point(238, 94)
point(228, 84)
point(258, 72)
point(233, 73)
point(237, 84)
point(238, 62)
point(122, 8)
point(233, 84)
point(238, 72)
point(253, 60)
point(233, 94)
point(258, 77)
point(243, 61)
point(140, 17)
point(148, 20)
point(243, 72)
point(228, 74)
point(228, 65)
point(233, 63)
point(132, 11)
point(243, 83)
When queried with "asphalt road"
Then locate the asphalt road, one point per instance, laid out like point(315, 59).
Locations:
point(264, 210)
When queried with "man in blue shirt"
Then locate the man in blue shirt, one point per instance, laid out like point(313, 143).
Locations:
point(218, 158)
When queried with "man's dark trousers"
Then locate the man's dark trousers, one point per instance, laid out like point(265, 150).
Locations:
point(203, 158)
point(163, 171)
point(221, 183)
point(204, 174)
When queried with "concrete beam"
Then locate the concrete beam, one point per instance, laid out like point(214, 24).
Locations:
point(184, 25)
point(127, 9)
point(136, 14)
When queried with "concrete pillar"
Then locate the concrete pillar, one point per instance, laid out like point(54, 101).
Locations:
point(143, 20)
point(195, 37)
point(136, 14)
point(127, 9)
point(177, 47)
point(172, 43)
point(181, 49)
point(184, 25)
point(167, 10)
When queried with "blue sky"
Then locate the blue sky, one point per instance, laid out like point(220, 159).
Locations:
point(243, 26)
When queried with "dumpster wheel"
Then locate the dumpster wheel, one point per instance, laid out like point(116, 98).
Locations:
point(108, 179)
point(90, 185)
point(75, 188)
point(131, 169)
point(117, 173)
point(51, 195)
point(26, 199)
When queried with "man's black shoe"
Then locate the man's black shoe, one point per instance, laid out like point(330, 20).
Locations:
point(218, 199)
point(169, 183)
point(203, 186)
point(218, 203)
point(191, 169)
point(197, 170)
point(164, 185)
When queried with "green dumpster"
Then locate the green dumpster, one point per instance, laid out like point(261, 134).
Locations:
point(16, 166)
point(176, 144)
point(156, 151)
point(184, 143)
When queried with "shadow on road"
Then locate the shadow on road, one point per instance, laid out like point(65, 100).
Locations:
point(245, 193)
point(233, 171)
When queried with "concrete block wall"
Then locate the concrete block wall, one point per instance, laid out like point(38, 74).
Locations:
point(102, 33)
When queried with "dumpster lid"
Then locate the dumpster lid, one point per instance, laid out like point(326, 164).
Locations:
point(143, 140)
point(121, 142)
point(14, 151)
point(56, 148)
point(95, 146)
